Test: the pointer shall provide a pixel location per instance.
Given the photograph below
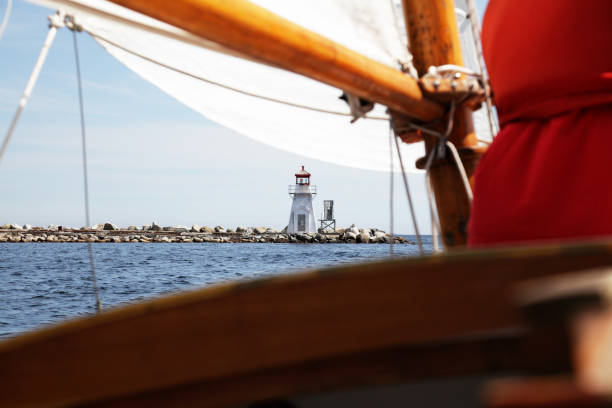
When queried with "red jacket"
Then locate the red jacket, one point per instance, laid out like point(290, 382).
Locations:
point(548, 173)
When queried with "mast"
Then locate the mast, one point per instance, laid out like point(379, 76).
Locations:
point(434, 40)
point(259, 34)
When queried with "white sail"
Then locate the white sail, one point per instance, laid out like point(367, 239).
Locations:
point(246, 96)
point(470, 58)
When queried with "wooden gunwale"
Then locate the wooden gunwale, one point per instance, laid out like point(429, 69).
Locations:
point(255, 32)
point(503, 354)
point(281, 325)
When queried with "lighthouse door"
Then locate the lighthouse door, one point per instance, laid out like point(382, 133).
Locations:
point(301, 222)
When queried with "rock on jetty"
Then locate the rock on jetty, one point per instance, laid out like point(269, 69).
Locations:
point(108, 232)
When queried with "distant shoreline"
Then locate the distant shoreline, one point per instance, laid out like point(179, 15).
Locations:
point(155, 234)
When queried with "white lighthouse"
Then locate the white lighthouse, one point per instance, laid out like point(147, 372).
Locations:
point(302, 217)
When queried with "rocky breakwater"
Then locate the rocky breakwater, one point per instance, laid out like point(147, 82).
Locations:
point(196, 234)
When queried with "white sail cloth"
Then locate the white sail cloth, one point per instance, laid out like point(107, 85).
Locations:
point(181, 64)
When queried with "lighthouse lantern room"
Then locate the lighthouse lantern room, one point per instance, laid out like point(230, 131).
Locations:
point(302, 217)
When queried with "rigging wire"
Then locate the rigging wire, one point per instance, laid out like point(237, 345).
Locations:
point(409, 196)
point(440, 150)
point(444, 143)
point(472, 16)
point(406, 60)
point(55, 22)
point(228, 87)
point(391, 221)
point(461, 169)
point(85, 176)
point(7, 14)
point(435, 221)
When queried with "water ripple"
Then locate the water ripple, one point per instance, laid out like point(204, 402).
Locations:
point(47, 283)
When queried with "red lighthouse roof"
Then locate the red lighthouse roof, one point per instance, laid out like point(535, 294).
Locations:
point(302, 173)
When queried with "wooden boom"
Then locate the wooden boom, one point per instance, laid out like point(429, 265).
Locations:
point(259, 34)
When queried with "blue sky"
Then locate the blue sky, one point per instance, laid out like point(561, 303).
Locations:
point(150, 157)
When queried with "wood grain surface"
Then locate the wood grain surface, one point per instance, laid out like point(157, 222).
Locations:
point(282, 325)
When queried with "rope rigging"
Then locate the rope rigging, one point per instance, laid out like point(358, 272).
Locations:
point(74, 28)
point(409, 197)
point(230, 88)
point(391, 215)
point(435, 221)
point(472, 17)
point(438, 152)
point(55, 21)
point(7, 14)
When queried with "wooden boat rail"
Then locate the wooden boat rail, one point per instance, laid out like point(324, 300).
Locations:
point(380, 322)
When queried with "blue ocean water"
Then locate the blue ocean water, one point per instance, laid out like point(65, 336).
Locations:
point(45, 283)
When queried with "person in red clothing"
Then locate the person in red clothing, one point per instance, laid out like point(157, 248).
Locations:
point(548, 173)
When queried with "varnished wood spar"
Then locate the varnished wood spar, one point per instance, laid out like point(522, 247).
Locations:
point(434, 40)
point(256, 32)
point(279, 325)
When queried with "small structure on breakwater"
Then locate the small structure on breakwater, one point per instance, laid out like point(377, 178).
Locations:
point(328, 222)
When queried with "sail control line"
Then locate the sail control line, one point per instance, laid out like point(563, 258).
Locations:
point(55, 21)
point(473, 19)
point(355, 114)
point(58, 20)
point(7, 15)
point(74, 27)
point(448, 83)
